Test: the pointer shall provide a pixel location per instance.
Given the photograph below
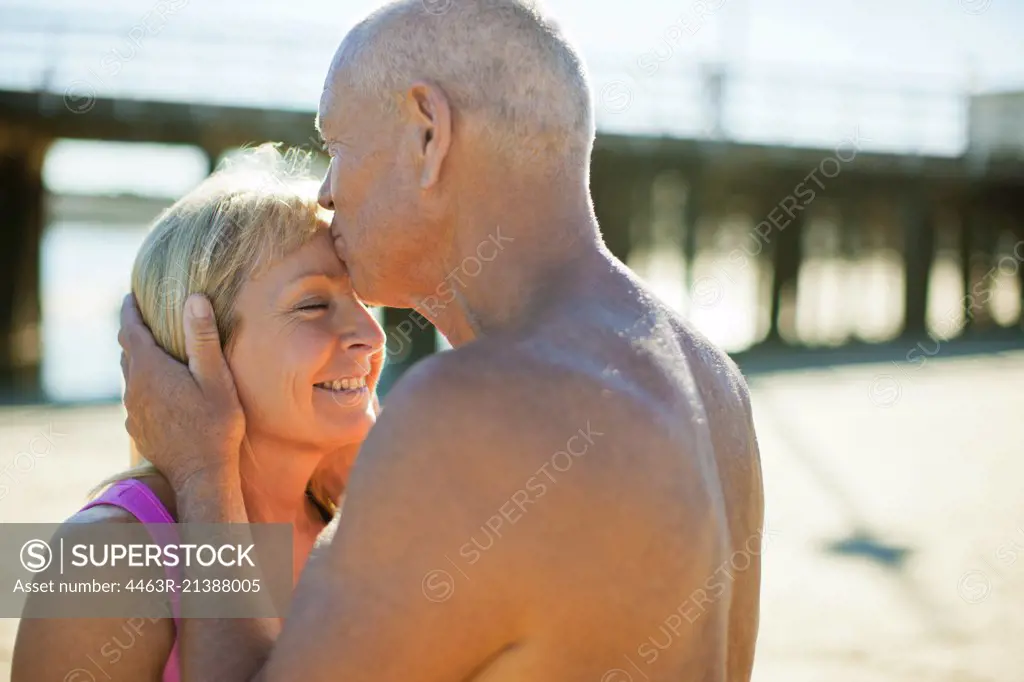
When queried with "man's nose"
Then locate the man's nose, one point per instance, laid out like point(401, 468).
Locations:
point(324, 195)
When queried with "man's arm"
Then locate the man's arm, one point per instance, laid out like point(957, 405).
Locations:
point(188, 422)
point(401, 592)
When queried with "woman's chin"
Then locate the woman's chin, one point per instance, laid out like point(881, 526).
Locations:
point(347, 429)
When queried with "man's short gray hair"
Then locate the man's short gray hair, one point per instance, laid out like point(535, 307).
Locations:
point(502, 59)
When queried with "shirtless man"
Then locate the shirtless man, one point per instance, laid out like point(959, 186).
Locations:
point(564, 496)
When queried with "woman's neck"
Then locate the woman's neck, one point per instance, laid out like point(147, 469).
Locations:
point(275, 475)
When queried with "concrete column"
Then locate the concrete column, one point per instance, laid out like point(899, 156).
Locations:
point(918, 256)
point(968, 222)
point(787, 254)
point(852, 229)
point(1015, 223)
point(641, 229)
point(692, 215)
point(1018, 255)
point(212, 157)
point(21, 230)
point(612, 188)
point(977, 250)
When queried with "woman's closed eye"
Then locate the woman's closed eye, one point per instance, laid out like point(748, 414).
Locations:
point(308, 306)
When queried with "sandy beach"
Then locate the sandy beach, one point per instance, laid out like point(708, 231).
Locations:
point(895, 541)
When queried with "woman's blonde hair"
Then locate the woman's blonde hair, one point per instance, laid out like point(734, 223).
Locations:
point(259, 206)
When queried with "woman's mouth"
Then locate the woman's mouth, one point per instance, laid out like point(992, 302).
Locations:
point(343, 385)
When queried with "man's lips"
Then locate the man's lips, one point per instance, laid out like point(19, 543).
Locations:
point(339, 243)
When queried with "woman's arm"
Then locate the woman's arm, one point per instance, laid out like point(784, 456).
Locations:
point(90, 649)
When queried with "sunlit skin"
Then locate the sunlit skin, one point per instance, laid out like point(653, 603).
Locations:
point(298, 324)
point(394, 232)
point(558, 347)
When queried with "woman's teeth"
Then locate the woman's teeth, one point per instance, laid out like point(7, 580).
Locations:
point(351, 384)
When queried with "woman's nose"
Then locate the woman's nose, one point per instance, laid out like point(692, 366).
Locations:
point(365, 335)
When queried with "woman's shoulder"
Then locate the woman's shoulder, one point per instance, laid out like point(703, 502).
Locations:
point(84, 639)
point(113, 513)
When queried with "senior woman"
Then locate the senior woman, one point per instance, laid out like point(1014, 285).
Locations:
point(305, 354)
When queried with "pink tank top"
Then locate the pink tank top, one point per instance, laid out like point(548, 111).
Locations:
point(136, 498)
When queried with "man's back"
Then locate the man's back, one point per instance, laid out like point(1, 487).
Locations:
point(635, 532)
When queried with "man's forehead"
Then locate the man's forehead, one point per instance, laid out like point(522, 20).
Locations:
point(325, 110)
point(335, 101)
point(334, 82)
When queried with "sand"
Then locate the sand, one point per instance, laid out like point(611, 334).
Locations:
point(895, 515)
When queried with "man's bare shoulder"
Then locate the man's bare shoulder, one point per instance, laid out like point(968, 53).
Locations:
point(495, 393)
point(474, 492)
point(479, 398)
point(493, 415)
point(460, 456)
point(477, 367)
point(484, 364)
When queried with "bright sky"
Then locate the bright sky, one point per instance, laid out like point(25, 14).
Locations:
point(892, 35)
point(883, 37)
point(802, 56)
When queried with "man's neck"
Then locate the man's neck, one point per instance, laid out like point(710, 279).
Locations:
point(532, 258)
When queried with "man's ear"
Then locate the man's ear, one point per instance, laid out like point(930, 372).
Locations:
point(432, 116)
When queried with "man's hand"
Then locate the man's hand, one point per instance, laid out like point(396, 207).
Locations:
point(185, 420)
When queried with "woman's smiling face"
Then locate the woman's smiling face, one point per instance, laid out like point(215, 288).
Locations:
point(306, 353)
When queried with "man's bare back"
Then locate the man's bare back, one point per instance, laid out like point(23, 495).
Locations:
point(681, 458)
point(653, 520)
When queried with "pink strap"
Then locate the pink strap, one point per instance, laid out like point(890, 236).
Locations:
point(136, 498)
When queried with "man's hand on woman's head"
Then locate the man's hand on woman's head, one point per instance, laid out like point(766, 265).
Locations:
point(186, 420)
